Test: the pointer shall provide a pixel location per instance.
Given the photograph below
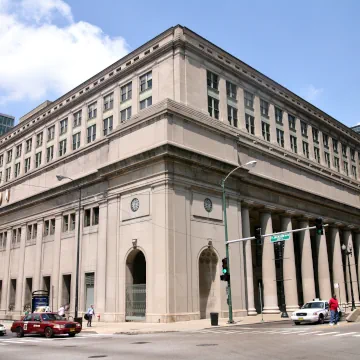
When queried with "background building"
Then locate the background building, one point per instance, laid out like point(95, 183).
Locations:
point(6, 123)
point(148, 140)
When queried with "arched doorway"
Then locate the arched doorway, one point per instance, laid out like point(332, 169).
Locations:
point(135, 286)
point(208, 283)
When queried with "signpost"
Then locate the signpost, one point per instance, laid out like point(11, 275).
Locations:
point(280, 237)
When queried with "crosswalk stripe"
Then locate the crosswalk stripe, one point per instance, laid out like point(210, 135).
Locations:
point(328, 333)
point(345, 334)
point(357, 335)
point(3, 344)
point(311, 332)
point(13, 341)
point(30, 340)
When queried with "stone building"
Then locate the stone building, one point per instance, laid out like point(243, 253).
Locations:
point(148, 140)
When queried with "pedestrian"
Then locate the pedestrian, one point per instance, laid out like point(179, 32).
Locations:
point(61, 311)
point(334, 312)
point(90, 313)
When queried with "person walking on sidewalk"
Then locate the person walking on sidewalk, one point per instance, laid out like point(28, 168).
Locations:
point(334, 312)
point(90, 313)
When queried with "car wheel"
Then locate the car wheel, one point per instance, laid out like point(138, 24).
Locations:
point(321, 319)
point(72, 335)
point(2, 334)
point(19, 332)
point(297, 322)
point(49, 332)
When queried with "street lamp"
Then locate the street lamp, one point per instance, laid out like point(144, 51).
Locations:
point(60, 177)
point(250, 164)
point(348, 252)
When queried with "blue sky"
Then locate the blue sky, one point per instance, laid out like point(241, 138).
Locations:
point(310, 47)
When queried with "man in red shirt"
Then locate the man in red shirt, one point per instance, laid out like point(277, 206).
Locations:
point(333, 307)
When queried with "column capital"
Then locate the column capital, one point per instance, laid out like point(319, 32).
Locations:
point(289, 213)
point(268, 209)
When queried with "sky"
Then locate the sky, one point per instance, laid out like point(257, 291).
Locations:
point(312, 47)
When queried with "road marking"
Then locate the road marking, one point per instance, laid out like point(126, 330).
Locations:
point(329, 333)
point(311, 332)
point(345, 334)
point(30, 340)
point(357, 335)
point(14, 341)
point(3, 344)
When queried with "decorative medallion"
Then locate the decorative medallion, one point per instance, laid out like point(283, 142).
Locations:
point(135, 204)
point(208, 205)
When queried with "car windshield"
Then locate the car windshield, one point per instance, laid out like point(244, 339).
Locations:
point(314, 305)
point(51, 317)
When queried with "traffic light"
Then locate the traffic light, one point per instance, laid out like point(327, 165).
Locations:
point(225, 270)
point(258, 235)
point(319, 226)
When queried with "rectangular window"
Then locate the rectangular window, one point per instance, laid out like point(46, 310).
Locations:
point(87, 217)
point(125, 114)
point(28, 145)
point(335, 145)
point(31, 232)
point(346, 168)
point(293, 143)
point(27, 164)
point(108, 125)
point(230, 90)
point(77, 118)
point(38, 159)
point(292, 122)
point(95, 217)
point(39, 139)
point(51, 133)
point(250, 124)
point(9, 156)
point(264, 108)
point(213, 107)
point(326, 141)
point(353, 171)
point(65, 223)
point(76, 141)
point(17, 170)
point(317, 154)
point(126, 92)
point(146, 81)
point(108, 102)
point(3, 240)
point(49, 153)
point(280, 137)
point(232, 116)
point(8, 174)
point(265, 130)
point(352, 154)
point(18, 151)
point(344, 150)
point(91, 217)
point(337, 163)
point(315, 133)
point(91, 133)
point(72, 222)
point(92, 111)
point(278, 115)
point(63, 126)
point(146, 103)
point(62, 147)
point(212, 80)
point(327, 158)
point(304, 128)
point(249, 99)
point(52, 226)
point(1, 160)
point(0, 176)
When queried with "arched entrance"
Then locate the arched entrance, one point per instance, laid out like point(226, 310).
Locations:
point(135, 286)
point(208, 283)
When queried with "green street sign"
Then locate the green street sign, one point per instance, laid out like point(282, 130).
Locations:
point(280, 237)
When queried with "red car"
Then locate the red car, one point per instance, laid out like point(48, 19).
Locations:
point(48, 324)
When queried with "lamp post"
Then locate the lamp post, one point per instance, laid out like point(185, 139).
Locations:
point(348, 252)
point(60, 177)
point(251, 163)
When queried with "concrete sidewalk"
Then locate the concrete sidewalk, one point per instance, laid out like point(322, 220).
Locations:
point(133, 328)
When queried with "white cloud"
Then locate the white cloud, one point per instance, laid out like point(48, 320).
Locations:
point(39, 57)
point(311, 93)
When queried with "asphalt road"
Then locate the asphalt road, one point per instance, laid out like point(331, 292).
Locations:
point(263, 341)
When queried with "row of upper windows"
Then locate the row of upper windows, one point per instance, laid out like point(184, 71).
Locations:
point(125, 114)
point(231, 90)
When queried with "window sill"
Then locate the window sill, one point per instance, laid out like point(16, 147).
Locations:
point(249, 108)
point(145, 90)
point(265, 116)
point(105, 110)
point(213, 89)
point(231, 98)
point(90, 229)
point(279, 123)
point(48, 238)
point(67, 234)
point(292, 130)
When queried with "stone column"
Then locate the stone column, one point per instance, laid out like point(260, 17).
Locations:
point(245, 219)
point(357, 257)
point(289, 268)
point(38, 247)
point(20, 275)
point(55, 277)
point(268, 267)
point(6, 279)
point(349, 244)
point(307, 268)
point(337, 264)
point(323, 267)
point(101, 259)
